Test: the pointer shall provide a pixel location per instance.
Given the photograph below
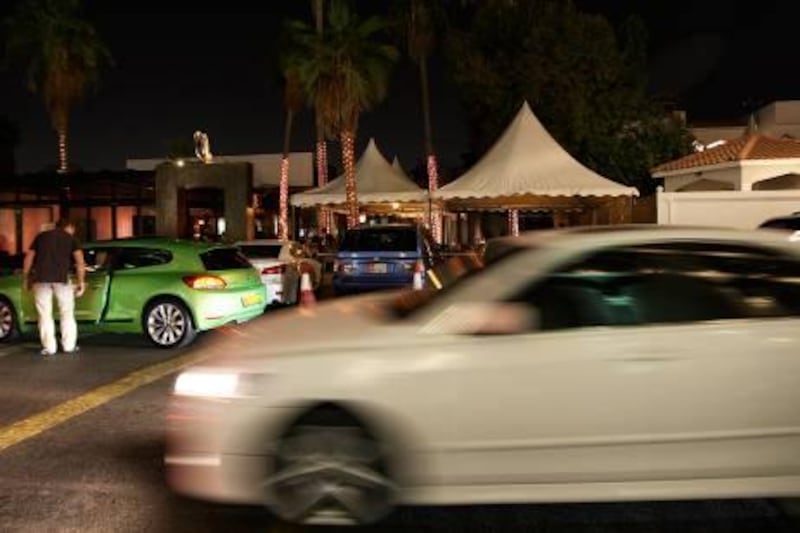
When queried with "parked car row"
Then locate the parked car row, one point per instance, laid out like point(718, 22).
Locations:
point(170, 289)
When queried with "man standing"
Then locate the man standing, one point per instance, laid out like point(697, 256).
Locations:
point(46, 269)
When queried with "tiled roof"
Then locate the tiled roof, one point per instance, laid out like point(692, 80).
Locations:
point(749, 147)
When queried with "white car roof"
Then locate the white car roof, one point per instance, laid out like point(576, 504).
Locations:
point(590, 236)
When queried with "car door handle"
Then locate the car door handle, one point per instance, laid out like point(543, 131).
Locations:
point(645, 359)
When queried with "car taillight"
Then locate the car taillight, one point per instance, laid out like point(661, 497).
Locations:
point(279, 269)
point(205, 282)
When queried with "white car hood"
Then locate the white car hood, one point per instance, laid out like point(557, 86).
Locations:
point(351, 324)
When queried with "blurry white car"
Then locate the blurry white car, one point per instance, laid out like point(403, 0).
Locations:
point(578, 365)
point(281, 265)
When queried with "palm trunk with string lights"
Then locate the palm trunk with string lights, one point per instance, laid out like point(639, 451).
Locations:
point(324, 215)
point(283, 222)
point(350, 194)
point(432, 163)
point(513, 222)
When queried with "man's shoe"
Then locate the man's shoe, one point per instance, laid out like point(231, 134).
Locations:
point(73, 351)
point(47, 353)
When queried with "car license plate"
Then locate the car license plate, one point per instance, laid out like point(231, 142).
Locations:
point(251, 299)
point(377, 268)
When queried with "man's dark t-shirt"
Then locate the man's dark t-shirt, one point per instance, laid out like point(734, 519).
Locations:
point(53, 257)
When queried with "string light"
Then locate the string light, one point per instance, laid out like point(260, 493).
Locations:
point(513, 222)
point(350, 194)
point(62, 153)
point(325, 215)
point(283, 227)
point(436, 212)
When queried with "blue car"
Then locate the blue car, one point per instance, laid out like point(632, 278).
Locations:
point(382, 257)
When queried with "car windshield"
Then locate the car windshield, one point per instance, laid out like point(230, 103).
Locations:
point(261, 251)
point(224, 259)
point(449, 275)
point(401, 239)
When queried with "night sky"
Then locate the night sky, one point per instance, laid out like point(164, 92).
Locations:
point(212, 68)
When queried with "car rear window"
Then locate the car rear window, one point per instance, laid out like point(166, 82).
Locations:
point(261, 251)
point(224, 259)
point(380, 240)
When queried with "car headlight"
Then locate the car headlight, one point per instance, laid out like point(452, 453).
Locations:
point(208, 384)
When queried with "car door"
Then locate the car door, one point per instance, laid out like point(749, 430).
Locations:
point(720, 362)
point(555, 404)
point(90, 307)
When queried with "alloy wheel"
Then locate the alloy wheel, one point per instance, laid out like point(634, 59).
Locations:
point(329, 475)
point(166, 324)
point(6, 320)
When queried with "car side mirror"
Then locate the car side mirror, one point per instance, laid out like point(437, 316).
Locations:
point(492, 318)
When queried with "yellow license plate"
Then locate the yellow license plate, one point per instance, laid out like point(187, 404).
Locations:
point(251, 299)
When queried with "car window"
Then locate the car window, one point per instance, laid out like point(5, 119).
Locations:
point(782, 223)
point(394, 239)
point(667, 283)
point(130, 258)
point(96, 259)
point(261, 251)
point(224, 259)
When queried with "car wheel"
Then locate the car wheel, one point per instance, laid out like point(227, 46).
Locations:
point(168, 324)
point(329, 471)
point(8, 321)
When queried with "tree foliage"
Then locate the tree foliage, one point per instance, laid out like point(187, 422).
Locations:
point(60, 50)
point(345, 70)
point(585, 82)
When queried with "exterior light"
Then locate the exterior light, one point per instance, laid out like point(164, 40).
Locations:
point(180, 162)
point(395, 205)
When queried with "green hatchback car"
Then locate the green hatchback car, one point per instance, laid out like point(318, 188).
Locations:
point(167, 289)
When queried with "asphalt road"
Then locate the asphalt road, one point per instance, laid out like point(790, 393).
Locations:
point(101, 470)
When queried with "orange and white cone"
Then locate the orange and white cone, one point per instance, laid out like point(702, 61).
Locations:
point(307, 297)
point(419, 274)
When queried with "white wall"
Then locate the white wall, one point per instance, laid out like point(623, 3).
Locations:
point(757, 170)
point(730, 175)
point(742, 176)
point(266, 167)
point(733, 209)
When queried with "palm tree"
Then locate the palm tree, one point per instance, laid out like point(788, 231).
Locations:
point(323, 214)
point(63, 56)
point(420, 38)
point(345, 72)
point(293, 100)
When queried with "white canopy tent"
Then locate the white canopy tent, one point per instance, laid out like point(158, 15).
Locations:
point(377, 181)
point(528, 162)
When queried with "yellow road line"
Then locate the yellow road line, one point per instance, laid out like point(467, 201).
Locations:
point(35, 424)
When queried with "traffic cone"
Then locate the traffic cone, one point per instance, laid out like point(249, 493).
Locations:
point(419, 273)
point(307, 297)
